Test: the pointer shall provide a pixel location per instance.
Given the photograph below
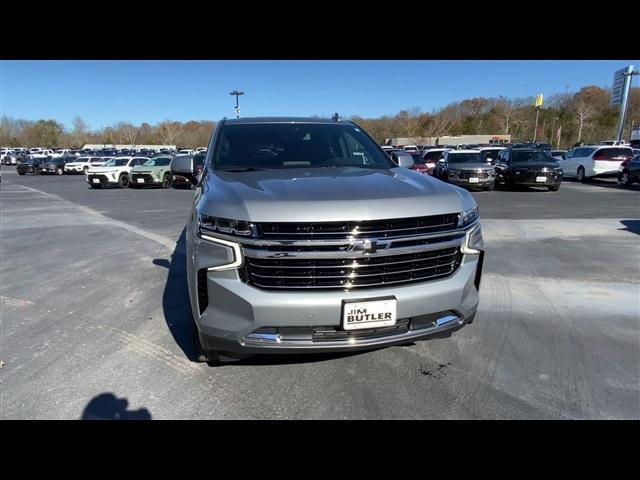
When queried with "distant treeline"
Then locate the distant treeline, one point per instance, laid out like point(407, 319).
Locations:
point(584, 116)
point(51, 134)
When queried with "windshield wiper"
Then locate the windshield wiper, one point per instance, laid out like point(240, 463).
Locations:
point(241, 169)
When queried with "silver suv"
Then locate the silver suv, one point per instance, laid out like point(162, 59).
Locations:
point(305, 237)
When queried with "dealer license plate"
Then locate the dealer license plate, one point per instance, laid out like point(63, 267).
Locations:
point(369, 314)
point(541, 179)
point(473, 180)
point(140, 180)
point(96, 180)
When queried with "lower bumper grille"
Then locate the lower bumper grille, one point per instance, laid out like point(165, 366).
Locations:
point(147, 179)
point(352, 273)
point(102, 179)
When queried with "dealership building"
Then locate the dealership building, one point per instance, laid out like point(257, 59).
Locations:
point(448, 140)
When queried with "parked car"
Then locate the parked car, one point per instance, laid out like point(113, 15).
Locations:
point(155, 171)
point(630, 172)
point(411, 148)
point(558, 155)
point(42, 154)
point(585, 163)
point(465, 168)
point(187, 170)
point(186, 151)
point(528, 167)
point(30, 166)
point(114, 172)
point(490, 154)
point(12, 158)
point(54, 165)
point(421, 163)
point(82, 164)
point(302, 247)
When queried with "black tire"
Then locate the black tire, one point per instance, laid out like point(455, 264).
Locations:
point(491, 187)
point(167, 181)
point(59, 171)
point(554, 188)
point(201, 355)
point(21, 173)
point(625, 179)
point(123, 180)
point(581, 176)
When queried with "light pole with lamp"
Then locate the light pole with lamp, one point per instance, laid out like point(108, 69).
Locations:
point(237, 108)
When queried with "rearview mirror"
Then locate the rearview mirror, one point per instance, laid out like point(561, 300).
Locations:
point(441, 160)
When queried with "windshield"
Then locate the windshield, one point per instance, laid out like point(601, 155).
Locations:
point(432, 156)
point(115, 163)
point(157, 162)
point(492, 154)
point(530, 157)
point(471, 157)
point(296, 145)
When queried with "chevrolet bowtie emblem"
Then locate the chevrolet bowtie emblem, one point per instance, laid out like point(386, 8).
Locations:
point(364, 246)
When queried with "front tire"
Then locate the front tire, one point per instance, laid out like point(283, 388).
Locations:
point(21, 173)
point(211, 357)
point(554, 188)
point(59, 171)
point(123, 181)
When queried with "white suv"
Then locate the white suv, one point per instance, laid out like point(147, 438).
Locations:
point(115, 171)
point(82, 164)
point(585, 163)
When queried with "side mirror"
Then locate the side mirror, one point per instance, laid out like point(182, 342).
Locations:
point(441, 161)
point(183, 164)
point(405, 161)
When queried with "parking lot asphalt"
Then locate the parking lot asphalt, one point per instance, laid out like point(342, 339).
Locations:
point(93, 302)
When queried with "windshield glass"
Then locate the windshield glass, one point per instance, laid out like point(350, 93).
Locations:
point(157, 162)
point(471, 157)
point(530, 156)
point(115, 163)
point(492, 154)
point(296, 145)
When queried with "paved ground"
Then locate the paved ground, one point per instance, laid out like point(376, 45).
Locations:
point(93, 305)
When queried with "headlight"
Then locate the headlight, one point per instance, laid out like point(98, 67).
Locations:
point(468, 217)
point(227, 226)
point(473, 241)
point(204, 232)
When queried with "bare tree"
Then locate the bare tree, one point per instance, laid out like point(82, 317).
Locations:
point(169, 132)
point(584, 112)
point(79, 131)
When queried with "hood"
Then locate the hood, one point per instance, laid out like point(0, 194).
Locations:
point(99, 169)
point(534, 166)
point(471, 166)
point(329, 194)
point(147, 168)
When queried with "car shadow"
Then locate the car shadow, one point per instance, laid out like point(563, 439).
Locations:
point(603, 183)
point(177, 313)
point(632, 226)
point(107, 406)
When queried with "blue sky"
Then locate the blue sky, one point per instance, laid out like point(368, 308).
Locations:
point(104, 92)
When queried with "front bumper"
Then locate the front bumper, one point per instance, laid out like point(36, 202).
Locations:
point(310, 321)
point(464, 182)
point(101, 179)
point(143, 179)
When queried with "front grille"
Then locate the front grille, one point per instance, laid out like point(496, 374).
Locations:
point(102, 178)
point(466, 174)
point(393, 228)
point(350, 273)
point(148, 179)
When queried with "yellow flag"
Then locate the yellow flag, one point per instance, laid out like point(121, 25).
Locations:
point(539, 100)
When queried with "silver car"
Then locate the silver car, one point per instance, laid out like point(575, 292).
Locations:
point(305, 237)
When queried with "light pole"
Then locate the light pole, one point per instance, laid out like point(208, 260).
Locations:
point(237, 108)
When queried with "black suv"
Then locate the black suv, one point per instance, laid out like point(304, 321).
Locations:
point(54, 165)
point(31, 165)
point(530, 167)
